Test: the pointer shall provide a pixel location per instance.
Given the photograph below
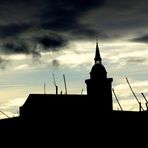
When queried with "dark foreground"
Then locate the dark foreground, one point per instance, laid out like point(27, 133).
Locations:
point(74, 130)
point(70, 122)
point(74, 121)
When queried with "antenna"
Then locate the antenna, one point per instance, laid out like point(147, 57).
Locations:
point(82, 91)
point(54, 82)
point(134, 94)
point(97, 39)
point(65, 84)
point(4, 114)
point(117, 99)
point(44, 88)
point(144, 97)
point(145, 100)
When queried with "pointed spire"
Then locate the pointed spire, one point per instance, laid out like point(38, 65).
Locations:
point(97, 55)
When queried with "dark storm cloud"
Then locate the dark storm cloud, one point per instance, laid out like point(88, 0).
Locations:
point(51, 15)
point(62, 15)
point(54, 15)
point(109, 19)
point(11, 48)
point(143, 39)
point(12, 29)
point(20, 48)
point(51, 43)
point(68, 19)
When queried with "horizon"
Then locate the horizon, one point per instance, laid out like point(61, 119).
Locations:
point(42, 37)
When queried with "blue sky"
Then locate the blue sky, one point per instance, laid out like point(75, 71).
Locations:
point(42, 37)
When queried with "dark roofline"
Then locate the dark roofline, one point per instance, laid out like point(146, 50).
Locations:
point(54, 98)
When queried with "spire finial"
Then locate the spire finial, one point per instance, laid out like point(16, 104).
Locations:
point(97, 39)
point(97, 55)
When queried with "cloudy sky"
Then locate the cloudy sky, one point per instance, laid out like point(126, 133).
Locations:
point(42, 37)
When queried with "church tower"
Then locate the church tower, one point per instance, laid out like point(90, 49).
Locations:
point(99, 87)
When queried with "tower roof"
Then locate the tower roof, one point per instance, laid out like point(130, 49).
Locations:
point(98, 71)
point(97, 55)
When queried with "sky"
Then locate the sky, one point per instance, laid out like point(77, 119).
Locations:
point(42, 37)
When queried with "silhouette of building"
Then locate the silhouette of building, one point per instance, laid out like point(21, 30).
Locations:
point(99, 87)
point(98, 92)
point(74, 112)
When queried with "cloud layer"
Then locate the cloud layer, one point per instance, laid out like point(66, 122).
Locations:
point(52, 23)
